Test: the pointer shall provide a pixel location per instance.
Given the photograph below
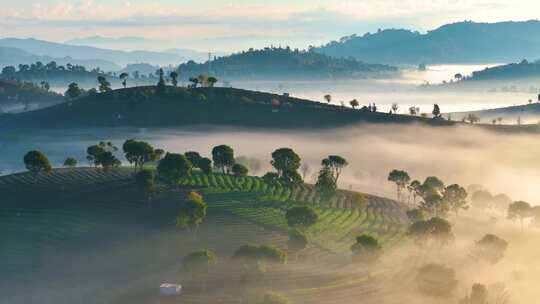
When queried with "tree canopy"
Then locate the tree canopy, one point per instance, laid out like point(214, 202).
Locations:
point(36, 162)
point(366, 249)
point(223, 157)
point(138, 152)
point(192, 212)
point(301, 217)
point(174, 167)
point(400, 178)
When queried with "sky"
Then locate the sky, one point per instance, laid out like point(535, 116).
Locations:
point(215, 25)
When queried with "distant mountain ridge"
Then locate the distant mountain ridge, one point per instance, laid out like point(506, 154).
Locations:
point(45, 48)
point(130, 43)
point(15, 56)
point(462, 42)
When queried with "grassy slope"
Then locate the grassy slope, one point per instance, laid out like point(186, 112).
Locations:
point(96, 221)
point(203, 106)
point(245, 197)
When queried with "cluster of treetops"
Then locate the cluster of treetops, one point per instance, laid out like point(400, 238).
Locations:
point(430, 204)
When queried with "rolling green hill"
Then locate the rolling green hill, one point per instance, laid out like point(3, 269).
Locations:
point(143, 107)
point(79, 230)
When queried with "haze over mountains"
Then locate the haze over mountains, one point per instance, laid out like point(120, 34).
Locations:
point(110, 59)
point(463, 42)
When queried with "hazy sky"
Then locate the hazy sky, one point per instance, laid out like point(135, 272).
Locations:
point(236, 24)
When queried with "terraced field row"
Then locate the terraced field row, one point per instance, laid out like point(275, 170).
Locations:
point(300, 194)
point(335, 231)
point(76, 179)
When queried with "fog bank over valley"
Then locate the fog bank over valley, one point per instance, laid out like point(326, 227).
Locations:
point(503, 163)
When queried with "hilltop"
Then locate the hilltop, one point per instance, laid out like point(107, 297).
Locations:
point(144, 107)
point(15, 92)
point(282, 64)
point(529, 114)
point(512, 71)
point(462, 42)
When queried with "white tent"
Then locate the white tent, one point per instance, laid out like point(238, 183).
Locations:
point(169, 289)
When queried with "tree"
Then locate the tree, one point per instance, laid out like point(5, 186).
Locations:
point(436, 111)
point(194, 81)
point(400, 178)
point(436, 280)
point(501, 202)
point(124, 76)
point(328, 98)
point(36, 162)
point(264, 253)
point(45, 86)
point(354, 103)
point(92, 153)
point(472, 118)
point(395, 107)
point(138, 152)
point(434, 205)
point(223, 157)
point(519, 210)
point(270, 178)
point(199, 264)
point(211, 81)
point(301, 217)
point(174, 78)
point(413, 188)
point(490, 248)
point(416, 215)
point(73, 91)
point(366, 249)
point(70, 162)
point(458, 76)
point(194, 158)
point(104, 85)
point(174, 167)
point(161, 87)
point(192, 212)
point(482, 199)
point(158, 154)
point(205, 164)
point(435, 183)
point(239, 170)
point(435, 230)
point(9, 72)
point(336, 164)
point(286, 162)
point(326, 184)
point(145, 182)
point(455, 197)
point(107, 160)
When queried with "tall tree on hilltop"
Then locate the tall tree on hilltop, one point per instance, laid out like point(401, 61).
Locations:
point(124, 76)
